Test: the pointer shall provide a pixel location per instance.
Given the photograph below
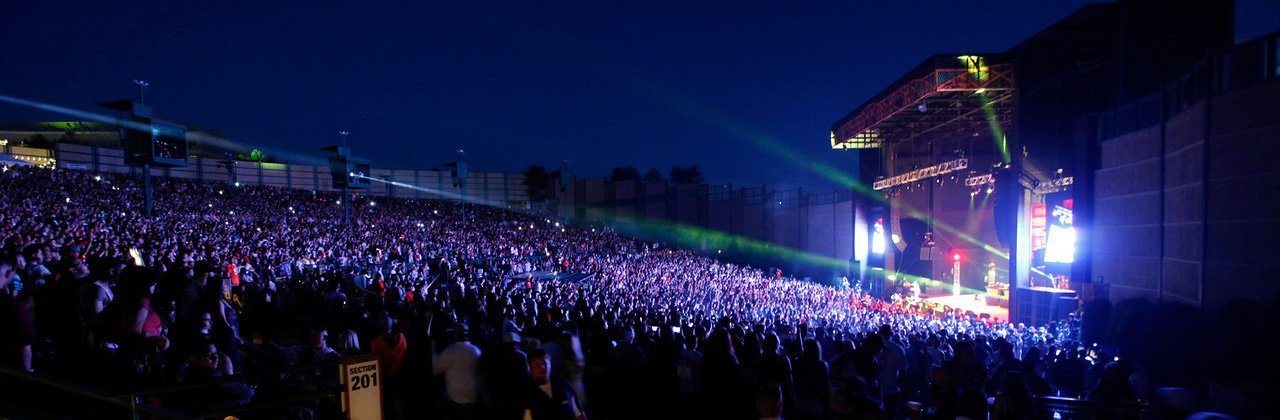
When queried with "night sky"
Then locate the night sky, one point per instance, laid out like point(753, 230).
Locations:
point(745, 89)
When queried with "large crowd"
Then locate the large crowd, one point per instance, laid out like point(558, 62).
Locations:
point(495, 314)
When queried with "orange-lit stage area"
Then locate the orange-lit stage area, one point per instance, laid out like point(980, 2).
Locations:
point(972, 303)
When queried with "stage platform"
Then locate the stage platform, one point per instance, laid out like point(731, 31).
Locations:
point(972, 303)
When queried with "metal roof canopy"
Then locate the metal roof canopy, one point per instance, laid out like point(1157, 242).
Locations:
point(943, 97)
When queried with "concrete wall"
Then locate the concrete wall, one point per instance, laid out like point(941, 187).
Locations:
point(1242, 245)
point(1185, 211)
point(1183, 224)
point(829, 229)
point(788, 219)
point(1126, 248)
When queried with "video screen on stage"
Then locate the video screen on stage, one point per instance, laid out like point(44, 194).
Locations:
point(1060, 240)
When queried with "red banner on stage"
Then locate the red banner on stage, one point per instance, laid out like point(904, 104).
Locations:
point(1039, 224)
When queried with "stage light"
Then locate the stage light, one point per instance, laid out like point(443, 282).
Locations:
point(955, 257)
point(990, 190)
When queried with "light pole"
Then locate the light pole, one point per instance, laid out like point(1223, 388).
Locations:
point(146, 166)
point(142, 87)
point(559, 187)
point(462, 181)
point(346, 190)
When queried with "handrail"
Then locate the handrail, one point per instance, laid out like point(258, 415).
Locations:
point(65, 386)
point(1070, 408)
point(225, 379)
point(272, 404)
point(121, 401)
point(330, 388)
point(132, 400)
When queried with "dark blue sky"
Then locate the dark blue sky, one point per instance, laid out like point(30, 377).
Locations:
point(599, 83)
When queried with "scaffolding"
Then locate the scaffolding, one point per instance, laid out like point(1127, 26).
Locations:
point(947, 96)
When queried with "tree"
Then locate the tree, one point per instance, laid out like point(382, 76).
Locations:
point(629, 173)
point(71, 130)
point(539, 183)
point(686, 176)
point(38, 141)
point(255, 156)
point(653, 176)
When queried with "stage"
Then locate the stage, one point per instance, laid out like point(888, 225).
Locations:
point(972, 303)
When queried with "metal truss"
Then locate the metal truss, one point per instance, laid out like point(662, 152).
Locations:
point(941, 102)
point(922, 173)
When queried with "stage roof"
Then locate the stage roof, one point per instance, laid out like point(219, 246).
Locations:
point(946, 96)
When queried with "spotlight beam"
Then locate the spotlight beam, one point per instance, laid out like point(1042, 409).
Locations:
point(199, 137)
point(473, 200)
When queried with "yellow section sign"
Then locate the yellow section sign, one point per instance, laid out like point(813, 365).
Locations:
point(362, 398)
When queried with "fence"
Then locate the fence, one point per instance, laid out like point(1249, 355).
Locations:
point(493, 187)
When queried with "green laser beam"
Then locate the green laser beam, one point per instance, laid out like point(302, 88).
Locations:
point(993, 122)
point(691, 109)
point(678, 232)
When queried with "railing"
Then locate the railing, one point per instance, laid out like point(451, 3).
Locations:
point(29, 395)
point(1058, 408)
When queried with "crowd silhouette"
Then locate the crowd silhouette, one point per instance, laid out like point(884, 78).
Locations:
point(498, 314)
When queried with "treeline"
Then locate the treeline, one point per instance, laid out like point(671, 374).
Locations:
point(679, 175)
